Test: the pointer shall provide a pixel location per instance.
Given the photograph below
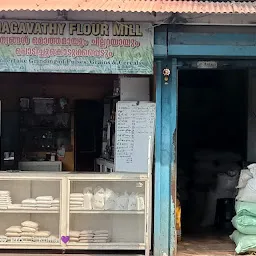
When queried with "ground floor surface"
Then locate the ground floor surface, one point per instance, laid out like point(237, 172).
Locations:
point(206, 246)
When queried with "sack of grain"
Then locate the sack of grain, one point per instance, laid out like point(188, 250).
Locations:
point(245, 209)
point(244, 243)
point(245, 224)
point(248, 193)
point(245, 175)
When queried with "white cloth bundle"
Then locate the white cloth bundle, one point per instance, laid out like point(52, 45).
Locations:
point(76, 195)
point(74, 233)
point(27, 234)
point(110, 199)
point(30, 224)
point(28, 229)
point(76, 203)
point(76, 200)
point(29, 201)
point(122, 202)
point(74, 236)
point(76, 207)
point(87, 232)
point(100, 232)
point(44, 198)
point(14, 206)
point(5, 199)
point(42, 234)
point(56, 202)
point(43, 205)
point(98, 200)
point(87, 235)
point(88, 195)
point(14, 229)
point(4, 192)
point(44, 202)
point(100, 240)
point(86, 240)
point(74, 239)
point(101, 236)
point(12, 234)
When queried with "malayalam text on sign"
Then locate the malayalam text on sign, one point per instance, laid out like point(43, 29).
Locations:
point(76, 47)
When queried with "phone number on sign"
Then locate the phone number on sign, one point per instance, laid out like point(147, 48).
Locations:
point(45, 53)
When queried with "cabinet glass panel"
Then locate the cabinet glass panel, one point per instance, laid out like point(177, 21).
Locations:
point(107, 212)
point(29, 211)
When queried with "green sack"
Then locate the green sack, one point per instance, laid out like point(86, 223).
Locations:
point(245, 224)
point(244, 243)
point(245, 208)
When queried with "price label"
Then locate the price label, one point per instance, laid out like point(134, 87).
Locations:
point(207, 64)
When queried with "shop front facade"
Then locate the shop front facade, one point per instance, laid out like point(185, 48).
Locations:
point(191, 60)
point(61, 123)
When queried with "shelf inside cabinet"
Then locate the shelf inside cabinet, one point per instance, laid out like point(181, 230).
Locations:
point(107, 246)
point(106, 212)
point(28, 211)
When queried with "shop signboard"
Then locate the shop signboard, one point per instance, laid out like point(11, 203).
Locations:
point(76, 47)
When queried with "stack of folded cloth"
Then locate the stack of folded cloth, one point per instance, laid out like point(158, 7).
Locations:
point(74, 236)
point(5, 199)
point(86, 236)
point(42, 233)
point(15, 206)
point(44, 202)
point(56, 203)
point(29, 228)
point(28, 203)
point(76, 200)
point(13, 231)
point(101, 236)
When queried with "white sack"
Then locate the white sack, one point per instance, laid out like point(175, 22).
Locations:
point(88, 195)
point(110, 199)
point(122, 202)
point(245, 175)
point(98, 200)
point(248, 193)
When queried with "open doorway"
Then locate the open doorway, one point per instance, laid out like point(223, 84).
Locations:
point(211, 148)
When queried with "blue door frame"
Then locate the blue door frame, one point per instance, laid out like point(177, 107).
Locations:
point(167, 48)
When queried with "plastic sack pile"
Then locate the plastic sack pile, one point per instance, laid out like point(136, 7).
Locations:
point(245, 220)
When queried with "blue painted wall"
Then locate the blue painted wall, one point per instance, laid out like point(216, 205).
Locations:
point(165, 160)
point(168, 45)
point(211, 44)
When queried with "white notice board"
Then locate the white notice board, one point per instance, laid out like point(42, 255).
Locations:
point(134, 136)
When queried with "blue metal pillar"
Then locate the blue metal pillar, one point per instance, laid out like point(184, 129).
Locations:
point(165, 161)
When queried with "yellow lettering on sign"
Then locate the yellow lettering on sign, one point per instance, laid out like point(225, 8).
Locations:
point(118, 29)
point(14, 27)
point(72, 28)
point(5, 28)
point(44, 27)
point(87, 29)
point(126, 30)
point(29, 28)
point(53, 29)
point(61, 28)
point(37, 29)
